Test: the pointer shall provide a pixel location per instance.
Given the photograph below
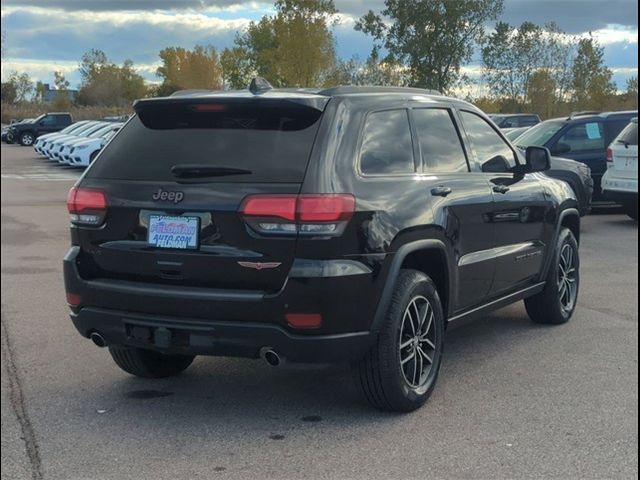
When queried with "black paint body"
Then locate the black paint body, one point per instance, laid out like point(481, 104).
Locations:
point(483, 248)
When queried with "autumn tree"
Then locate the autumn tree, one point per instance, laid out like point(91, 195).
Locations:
point(106, 83)
point(593, 88)
point(184, 69)
point(541, 93)
point(21, 85)
point(62, 100)
point(295, 47)
point(433, 38)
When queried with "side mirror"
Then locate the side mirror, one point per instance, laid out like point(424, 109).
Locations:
point(538, 159)
point(561, 148)
point(497, 164)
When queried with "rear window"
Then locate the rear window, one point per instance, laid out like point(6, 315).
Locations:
point(272, 142)
point(629, 136)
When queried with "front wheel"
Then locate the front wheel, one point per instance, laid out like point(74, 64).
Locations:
point(27, 139)
point(631, 209)
point(557, 302)
point(400, 371)
point(148, 363)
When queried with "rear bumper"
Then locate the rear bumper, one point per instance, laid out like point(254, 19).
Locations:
point(233, 339)
point(203, 321)
point(612, 184)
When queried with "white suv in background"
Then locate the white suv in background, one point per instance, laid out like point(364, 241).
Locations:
point(620, 182)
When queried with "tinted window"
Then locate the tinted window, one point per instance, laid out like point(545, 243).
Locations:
point(48, 121)
point(583, 138)
point(386, 144)
point(540, 134)
point(613, 128)
point(528, 121)
point(629, 135)
point(486, 143)
point(440, 145)
point(271, 141)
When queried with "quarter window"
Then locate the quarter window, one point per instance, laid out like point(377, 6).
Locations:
point(440, 144)
point(386, 144)
point(491, 151)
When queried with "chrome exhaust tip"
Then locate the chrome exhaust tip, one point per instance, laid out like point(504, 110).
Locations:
point(98, 339)
point(270, 357)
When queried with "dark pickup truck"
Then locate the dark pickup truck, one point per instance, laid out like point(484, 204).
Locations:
point(25, 133)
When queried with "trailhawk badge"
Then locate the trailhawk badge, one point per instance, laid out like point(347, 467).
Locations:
point(260, 265)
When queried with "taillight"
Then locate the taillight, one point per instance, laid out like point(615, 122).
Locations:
point(87, 206)
point(609, 155)
point(306, 214)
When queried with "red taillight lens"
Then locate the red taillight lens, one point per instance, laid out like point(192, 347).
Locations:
point(609, 155)
point(325, 208)
point(87, 206)
point(304, 320)
point(306, 214)
point(270, 206)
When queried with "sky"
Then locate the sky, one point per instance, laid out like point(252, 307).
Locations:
point(42, 36)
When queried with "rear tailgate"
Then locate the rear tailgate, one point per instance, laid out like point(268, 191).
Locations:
point(261, 145)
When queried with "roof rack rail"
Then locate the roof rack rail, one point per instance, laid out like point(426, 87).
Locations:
point(583, 113)
point(344, 90)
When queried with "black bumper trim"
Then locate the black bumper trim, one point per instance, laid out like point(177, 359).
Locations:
point(218, 338)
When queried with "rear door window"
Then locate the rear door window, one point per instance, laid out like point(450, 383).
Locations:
point(271, 142)
point(387, 148)
point(584, 137)
point(440, 146)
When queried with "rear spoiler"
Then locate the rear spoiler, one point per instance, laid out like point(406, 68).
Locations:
point(234, 98)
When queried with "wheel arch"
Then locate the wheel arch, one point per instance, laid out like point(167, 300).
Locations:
point(428, 256)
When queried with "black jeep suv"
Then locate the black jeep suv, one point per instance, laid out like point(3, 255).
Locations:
point(313, 225)
point(26, 133)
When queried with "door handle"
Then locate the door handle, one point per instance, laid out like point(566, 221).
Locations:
point(501, 189)
point(441, 191)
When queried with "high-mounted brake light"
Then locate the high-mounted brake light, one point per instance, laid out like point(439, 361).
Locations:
point(87, 206)
point(306, 214)
point(209, 107)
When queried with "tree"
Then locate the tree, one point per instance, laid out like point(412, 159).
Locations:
point(433, 38)
point(62, 101)
point(40, 89)
point(541, 93)
point(294, 47)
point(22, 85)
point(184, 69)
point(8, 92)
point(105, 83)
point(510, 57)
point(592, 83)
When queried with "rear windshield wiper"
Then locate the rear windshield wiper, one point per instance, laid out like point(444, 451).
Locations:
point(199, 171)
point(624, 142)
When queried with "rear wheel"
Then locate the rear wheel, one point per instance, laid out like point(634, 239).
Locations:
point(557, 302)
point(400, 371)
point(27, 139)
point(147, 363)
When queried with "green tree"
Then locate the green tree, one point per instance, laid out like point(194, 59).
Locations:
point(184, 69)
point(295, 47)
point(40, 89)
point(592, 83)
point(433, 38)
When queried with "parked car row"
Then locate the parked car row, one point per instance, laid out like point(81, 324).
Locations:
point(78, 144)
point(604, 143)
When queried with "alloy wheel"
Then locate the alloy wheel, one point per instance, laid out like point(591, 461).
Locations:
point(417, 342)
point(567, 278)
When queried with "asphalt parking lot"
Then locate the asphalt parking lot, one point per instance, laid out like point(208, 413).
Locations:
point(514, 400)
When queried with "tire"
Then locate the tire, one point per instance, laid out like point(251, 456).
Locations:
point(26, 139)
point(631, 209)
point(147, 363)
point(557, 302)
point(388, 383)
point(93, 156)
